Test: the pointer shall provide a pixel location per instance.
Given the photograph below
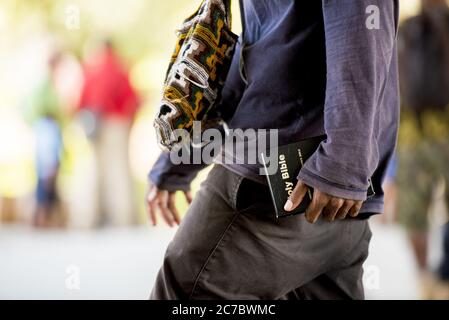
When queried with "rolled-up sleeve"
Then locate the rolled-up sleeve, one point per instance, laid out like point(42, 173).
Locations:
point(358, 59)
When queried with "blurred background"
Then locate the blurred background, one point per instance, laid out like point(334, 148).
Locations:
point(79, 82)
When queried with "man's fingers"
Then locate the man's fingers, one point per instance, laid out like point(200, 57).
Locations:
point(332, 208)
point(163, 202)
point(316, 207)
point(163, 207)
point(152, 194)
point(166, 215)
point(354, 211)
point(344, 210)
point(172, 208)
point(188, 196)
point(296, 197)
point(151, 208)
point(151, 199)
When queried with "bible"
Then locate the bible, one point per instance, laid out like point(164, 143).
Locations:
point(291, 159)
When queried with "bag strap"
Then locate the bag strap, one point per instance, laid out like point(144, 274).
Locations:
point(242, 69)
point(242, 17)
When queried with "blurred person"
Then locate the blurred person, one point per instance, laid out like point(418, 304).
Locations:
point(424, 135)
point(108, 104)
point(311, 67)
point(390, 190)
point(45, 114)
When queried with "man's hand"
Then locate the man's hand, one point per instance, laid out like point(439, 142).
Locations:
point(163, 201)
point(322, 204)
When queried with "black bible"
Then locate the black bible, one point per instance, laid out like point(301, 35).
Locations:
point(290, 159)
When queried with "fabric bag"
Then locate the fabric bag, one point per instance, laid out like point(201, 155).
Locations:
point(196, 73)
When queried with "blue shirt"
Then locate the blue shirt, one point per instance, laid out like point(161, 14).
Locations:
point(48, 147)
point(316, 67)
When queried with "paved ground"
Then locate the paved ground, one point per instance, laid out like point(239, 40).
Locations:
point(390, 270)
point(122, 264)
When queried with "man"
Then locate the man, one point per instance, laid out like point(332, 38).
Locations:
point(44, 111)
point(108, 95)
point(311, 68)
point(423, 151)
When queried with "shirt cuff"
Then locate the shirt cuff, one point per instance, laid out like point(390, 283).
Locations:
point(167, 176)
point(171, 184)
point(332, 188)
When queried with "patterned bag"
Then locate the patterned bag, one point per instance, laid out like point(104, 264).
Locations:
point(197, 72)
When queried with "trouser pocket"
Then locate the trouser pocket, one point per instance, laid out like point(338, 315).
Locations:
point(252, 195)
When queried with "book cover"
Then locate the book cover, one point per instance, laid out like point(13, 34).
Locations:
point(290, 160)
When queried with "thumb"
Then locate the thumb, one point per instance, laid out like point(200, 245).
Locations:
point(152, 193)
point(188, 196)
point(296, 197)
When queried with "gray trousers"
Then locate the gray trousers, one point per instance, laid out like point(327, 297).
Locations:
point(231, 246)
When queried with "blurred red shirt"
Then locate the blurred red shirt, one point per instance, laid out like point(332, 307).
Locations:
point(107, 90)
